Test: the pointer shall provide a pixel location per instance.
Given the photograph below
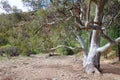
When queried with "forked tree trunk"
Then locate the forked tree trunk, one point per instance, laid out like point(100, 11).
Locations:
point(92, 63)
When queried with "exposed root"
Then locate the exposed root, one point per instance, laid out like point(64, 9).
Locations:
point(91, 69)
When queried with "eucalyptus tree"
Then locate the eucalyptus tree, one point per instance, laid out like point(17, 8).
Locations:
point(81, 15)
point(6, 6)
point(35, 4)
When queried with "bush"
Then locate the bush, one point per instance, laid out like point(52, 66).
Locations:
point(10, 51)
point(29, 52)
point(3, 40)
point(65, 51)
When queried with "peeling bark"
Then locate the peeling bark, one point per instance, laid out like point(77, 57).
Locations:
point(93, 59)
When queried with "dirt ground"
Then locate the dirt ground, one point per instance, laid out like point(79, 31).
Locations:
point(42, 67)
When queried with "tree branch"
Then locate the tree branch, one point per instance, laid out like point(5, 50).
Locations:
point(107, 37)
point(108, 45)
point(62, 46)
point(82, 43)
point(112, 20)
point(58, 20)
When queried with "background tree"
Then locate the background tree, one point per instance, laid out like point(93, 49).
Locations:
point(35, 4)
point(6, 6)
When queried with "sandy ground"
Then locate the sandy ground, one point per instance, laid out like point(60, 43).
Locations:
point(41, 67)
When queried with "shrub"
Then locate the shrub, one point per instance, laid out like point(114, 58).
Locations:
point(65, 51)
point(3, 40)
point(10, 51)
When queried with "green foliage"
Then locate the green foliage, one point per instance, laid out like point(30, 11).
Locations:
point(115, 33)
point(20, 32)
point(29, 33)
point(9, 50)
point(65, 51)
point(41, 14)
point(3, 40)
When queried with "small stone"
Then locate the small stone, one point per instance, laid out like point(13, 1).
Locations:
point(54, 79)
point(62, 75)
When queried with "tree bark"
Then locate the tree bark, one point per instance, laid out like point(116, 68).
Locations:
point(81, 41)
point(93, 59)
point(92, 64)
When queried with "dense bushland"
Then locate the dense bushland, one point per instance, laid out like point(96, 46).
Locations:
point(22, 33)
point(26, 33)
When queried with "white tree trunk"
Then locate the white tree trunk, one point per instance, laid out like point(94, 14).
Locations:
point(81, 41)
point(93, 60)
point(92, 63)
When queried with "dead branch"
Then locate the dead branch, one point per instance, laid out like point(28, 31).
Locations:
point(63, 46)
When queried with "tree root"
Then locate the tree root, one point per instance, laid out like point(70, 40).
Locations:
point(91, 69)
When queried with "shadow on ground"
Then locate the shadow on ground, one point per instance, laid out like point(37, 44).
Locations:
point(110, 68)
